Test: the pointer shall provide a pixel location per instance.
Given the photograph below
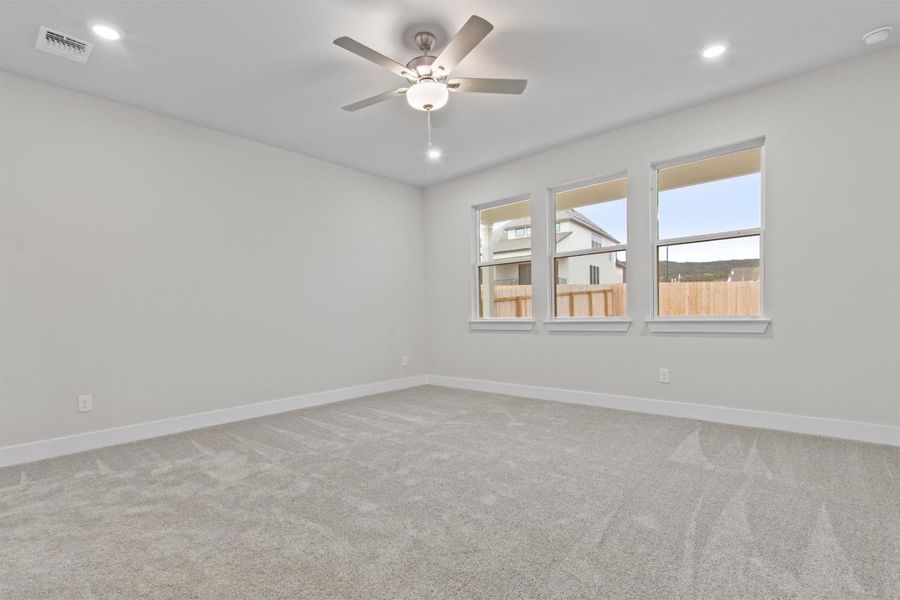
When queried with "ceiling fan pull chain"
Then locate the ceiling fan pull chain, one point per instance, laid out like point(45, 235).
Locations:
point(428, 119)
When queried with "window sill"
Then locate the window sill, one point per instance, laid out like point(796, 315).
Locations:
point(608, 324)
point(708, 325)
point(501, 325)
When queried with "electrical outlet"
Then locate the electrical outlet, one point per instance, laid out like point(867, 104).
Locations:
point(664, 376)
point(404, 361)
point(85, 403)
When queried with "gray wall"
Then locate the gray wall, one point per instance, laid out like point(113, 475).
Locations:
point(169, 269)
point(832, 257)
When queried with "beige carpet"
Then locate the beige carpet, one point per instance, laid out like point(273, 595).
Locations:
point(438, 493)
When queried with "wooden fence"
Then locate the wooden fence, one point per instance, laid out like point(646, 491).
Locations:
point(509, 301)
point(692, 298)
point(709, 298)
point(584, 300)
point(572, 300)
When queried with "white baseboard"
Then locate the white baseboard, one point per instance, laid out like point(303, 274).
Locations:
point(32, 451)
point(851, 430)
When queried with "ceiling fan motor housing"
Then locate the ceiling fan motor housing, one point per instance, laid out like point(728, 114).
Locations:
point(421, 66)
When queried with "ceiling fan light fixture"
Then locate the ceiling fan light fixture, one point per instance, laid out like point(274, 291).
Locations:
point(427, 94)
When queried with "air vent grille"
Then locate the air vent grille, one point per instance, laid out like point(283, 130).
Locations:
point(64, 45)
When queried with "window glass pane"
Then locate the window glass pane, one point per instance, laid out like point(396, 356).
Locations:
point(591, 286)
point(504, 291)
point(593, 216)
point(710, 196)
point(505, 231)
point(719, 278)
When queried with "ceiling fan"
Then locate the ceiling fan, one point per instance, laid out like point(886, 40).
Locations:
point(429, 75)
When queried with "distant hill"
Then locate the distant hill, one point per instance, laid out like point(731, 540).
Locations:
point(717, 270)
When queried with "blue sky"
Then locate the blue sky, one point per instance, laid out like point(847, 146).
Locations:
point(610, 216)
point(724, 205)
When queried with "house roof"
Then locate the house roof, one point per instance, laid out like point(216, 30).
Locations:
point(570, 214)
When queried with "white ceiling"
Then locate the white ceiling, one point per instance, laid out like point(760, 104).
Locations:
point(268, 71)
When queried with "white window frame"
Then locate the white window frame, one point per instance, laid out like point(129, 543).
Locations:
point(477, 322)
point(554, 323)
point(748, 324)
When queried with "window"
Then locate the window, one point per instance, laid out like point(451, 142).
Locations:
point(709, 233)
point(588, 255)
point(518, 232)
point(503, 266)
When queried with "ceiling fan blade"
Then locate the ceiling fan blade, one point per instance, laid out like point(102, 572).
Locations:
point(487, 86)
point(375, 99)
point(376, 57)
point(462, 43)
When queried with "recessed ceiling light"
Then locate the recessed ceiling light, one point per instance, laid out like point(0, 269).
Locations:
point(878, 35)
point(434, 153)
point(714, 51)
point(107, 32)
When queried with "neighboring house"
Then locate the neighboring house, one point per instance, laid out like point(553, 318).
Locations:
point(574, 231)
point(744, 274)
